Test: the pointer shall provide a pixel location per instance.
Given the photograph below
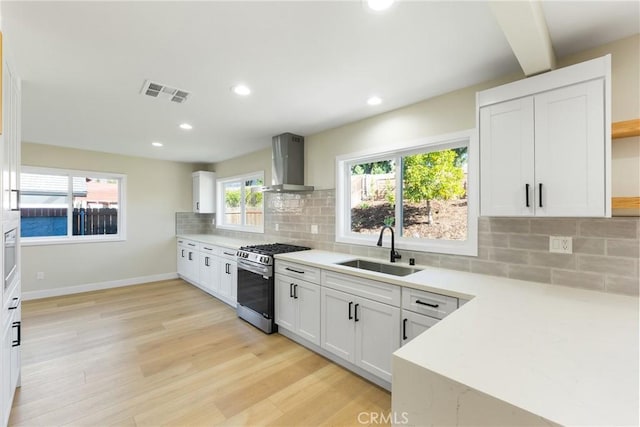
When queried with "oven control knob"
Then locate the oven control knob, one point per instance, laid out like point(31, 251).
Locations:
point(265, 259)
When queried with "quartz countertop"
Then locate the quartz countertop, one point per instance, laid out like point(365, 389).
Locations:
point(568, 355)
point(226, 242)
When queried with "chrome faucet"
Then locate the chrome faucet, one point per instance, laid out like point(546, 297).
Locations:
point(394, 255)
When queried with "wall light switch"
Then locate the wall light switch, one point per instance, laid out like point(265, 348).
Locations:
point(314, 228)
point(561, 244)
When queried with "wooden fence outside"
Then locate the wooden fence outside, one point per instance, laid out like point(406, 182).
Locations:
point(254, 218)
point(84, 222)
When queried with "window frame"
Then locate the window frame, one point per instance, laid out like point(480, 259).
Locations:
point(69, 238)
point(441, 142)
point(220, 202)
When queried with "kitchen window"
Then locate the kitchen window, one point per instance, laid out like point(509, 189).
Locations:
point(240, 203)
point(426, 191)
point(70, 206)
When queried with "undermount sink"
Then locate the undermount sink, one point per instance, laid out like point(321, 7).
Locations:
point(394, 270)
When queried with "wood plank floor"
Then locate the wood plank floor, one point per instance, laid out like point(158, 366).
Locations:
point(166, 353)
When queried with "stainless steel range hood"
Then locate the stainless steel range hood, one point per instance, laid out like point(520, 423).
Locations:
point(288, 164)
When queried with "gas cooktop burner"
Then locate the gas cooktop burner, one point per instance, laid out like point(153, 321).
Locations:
point(263, 254)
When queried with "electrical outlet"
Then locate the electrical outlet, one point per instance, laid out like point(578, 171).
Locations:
point(213, 221)
point(277, 227)
point(314, 228)
point(561, 244)
point(40, 275)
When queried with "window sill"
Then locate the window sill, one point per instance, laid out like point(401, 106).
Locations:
point(242, 229)
point(448, 247)
point(44, 241)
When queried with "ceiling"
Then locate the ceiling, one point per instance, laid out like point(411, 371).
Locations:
point(311, 65)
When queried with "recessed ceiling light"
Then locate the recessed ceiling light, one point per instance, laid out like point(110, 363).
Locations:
point(156, 144)
point(241, 90)
point(379, 5)
point(374, 100)
point(186, 126)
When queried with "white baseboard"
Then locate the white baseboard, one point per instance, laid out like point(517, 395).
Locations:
point(68, 290)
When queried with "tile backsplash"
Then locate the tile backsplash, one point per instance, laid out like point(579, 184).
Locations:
point(605, 254)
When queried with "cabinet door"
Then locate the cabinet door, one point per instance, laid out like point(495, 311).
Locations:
point(570, 151)
point(208, 268)
point(182, 261)
point(377, 336)
point(307, 298)
point(413, 324)
point(228, 279)
point(285, 307)
point(191, 265)
point(338, 328)
point(5, 372)
point(506, 158)
point(16, 345)
point(196, 193)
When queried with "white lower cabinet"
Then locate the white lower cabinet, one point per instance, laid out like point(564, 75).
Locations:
point(359, 330)
point(213, 269)
point(10, 356)
point(297, 307)
point(413, 324)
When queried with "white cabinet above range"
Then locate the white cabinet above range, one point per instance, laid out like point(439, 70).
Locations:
point(545, 144)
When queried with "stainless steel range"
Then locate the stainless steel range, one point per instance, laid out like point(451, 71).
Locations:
point(256, 283)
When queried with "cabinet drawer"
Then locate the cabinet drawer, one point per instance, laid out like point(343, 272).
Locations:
point(423, 302)
point(299, 271)
point(209, 249)
point(227, 253)
point(371, 289)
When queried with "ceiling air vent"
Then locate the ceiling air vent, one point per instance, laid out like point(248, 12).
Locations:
point(158, 90)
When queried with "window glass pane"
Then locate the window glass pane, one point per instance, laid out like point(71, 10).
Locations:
point(232, 208)
point(372, 196)
point(95, 206)
point(254, 208)
point(43, 205)
point(435, 195)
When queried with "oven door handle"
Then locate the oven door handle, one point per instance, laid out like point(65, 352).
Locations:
point(257, 269)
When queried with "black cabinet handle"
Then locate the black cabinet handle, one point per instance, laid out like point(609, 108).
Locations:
point(404, 329)
point(540, 194)
point(206, 261)
point(206, 248)
point(182, 253)
point(350, 305)
point(295, 291)
point(295, 271)
point(427, 304)
point(190, 256)
point(192, 244)
point(15, 306)
point(526, 192)
point(230, 254)
point(355, 311)
point(17, 193)
point(16, 343)
point(197, 206)
point(226, 267)
point(290, 290)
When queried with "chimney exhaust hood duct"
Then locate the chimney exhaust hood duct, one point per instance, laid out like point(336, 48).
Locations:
point(288, 164)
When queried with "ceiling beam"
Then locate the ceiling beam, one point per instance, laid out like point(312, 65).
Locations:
point(525, 27)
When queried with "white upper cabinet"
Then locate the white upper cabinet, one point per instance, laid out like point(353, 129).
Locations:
point(545, 144)
point(204, 192)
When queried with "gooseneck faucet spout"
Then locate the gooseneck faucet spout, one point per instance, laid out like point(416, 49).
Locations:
point(394, 255)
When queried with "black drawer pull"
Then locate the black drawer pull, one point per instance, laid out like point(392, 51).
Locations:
point(192, 244)
point(207, 249)
point(355, 311)
point(230, 254)
point(427, 304)
point(295, 271)
point(526, 192)
point(295, 291)
point(16, 343)
point(404, 329)
point(350, 305)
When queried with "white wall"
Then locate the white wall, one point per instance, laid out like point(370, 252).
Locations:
point(155, 191)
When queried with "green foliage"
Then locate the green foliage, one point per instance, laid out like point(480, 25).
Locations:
point(364, 205)
point(389, 194)
point(374, 168)
point(252, 199)
point(232, 198)
point(389, 221)
point(433, 176)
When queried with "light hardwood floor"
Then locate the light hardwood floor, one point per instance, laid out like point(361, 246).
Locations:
point(167, 353)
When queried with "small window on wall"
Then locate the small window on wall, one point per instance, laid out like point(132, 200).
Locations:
point(62, 206)
point(240, 203)
point(427, 192)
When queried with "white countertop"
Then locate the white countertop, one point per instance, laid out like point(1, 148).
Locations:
point(568, 355)
point(226, 242)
